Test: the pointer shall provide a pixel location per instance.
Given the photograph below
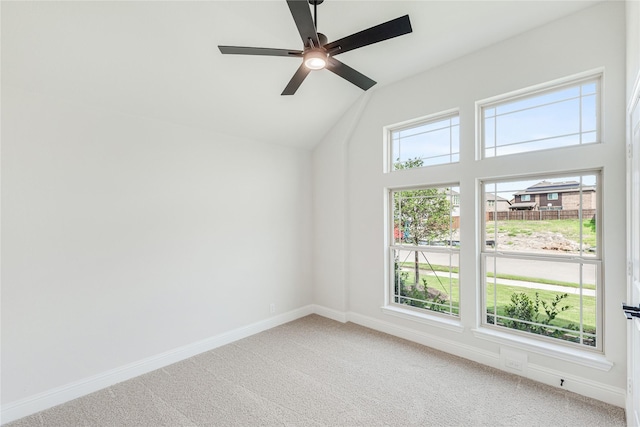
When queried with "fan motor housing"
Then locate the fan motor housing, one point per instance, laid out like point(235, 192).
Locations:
point(322, 39)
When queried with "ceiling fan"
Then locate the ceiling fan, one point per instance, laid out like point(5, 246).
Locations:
point(317, 53)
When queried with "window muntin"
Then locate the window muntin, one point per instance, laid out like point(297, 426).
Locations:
point(558, 117)
point(542, 268)
point(424, 250)
point(426, 143)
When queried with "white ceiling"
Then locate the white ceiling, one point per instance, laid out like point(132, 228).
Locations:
point(160, 60)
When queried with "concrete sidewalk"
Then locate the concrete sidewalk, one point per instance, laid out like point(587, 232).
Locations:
point(543, 286)
point(530, 285)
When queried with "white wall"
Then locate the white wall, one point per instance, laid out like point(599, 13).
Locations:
point(587, 40)
point(633, 43)
point(330, 208)
point(123, 238)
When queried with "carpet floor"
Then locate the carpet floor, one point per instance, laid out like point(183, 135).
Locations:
point(318, 372)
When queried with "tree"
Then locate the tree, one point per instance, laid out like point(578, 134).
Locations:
point(421, 215)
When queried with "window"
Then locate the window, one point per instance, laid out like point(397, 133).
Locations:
point(542, 275)
point(429, 142)
point(552, 196)
point(525, 198)
point(424, 250)
point(557, 117)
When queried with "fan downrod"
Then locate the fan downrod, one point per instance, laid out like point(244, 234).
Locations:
point(315, 4)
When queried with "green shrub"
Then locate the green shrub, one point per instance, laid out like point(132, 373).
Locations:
point(525, 309)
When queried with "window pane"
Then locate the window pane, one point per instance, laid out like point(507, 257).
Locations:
point(455, 140)
point(554, 119)
point(561, 222)
point(427, 280)
point(589, 88)
point(489, 133)
point(589, 113)
point(425, 248)
point(548, 298)
point(523, 147)
point(588, 137)
point(426, 144)
point(540, 123)
point(539, 100)
point(425, 217)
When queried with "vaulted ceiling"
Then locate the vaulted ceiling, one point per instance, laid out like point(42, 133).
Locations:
point(159, 60)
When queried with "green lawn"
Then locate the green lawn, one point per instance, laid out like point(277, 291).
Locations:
point(450, 288)
point(447, 288)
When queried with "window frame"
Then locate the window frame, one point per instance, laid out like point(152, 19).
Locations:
point(388, 131)
point(596, 77)
point(447, 320)
point(597, 260)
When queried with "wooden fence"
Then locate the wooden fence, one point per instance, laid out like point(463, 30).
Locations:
point(587, 214)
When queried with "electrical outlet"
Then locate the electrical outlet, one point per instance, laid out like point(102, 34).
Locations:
point(513, 364)
point(514, 361)
point(272, 308)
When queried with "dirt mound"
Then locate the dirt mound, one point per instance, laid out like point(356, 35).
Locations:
point(546, 241)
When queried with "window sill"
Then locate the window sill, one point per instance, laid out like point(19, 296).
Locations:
point(577, 356)
point(426, 318)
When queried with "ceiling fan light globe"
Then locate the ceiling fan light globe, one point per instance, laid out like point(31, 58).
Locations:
point(315, 60)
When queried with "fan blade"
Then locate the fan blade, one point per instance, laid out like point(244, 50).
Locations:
point(241, 50)
point(348, 73)
point(296, 80)
point(388, 30)
point(304, 21)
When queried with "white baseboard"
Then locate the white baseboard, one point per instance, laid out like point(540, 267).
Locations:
point(41, 401)
point(580, 385)
point(330, 313)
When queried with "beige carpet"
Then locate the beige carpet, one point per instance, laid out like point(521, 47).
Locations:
point(317, 372)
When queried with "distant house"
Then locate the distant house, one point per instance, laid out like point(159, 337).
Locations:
point(495, 203)
point(547, 195)
point(455, 203)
